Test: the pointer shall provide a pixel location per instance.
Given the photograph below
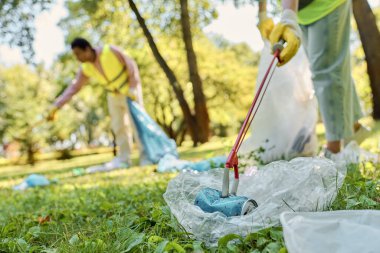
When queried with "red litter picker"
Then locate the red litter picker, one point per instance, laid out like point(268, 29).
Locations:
point(212, 200)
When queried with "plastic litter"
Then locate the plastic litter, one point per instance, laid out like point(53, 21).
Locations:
point(32, 180)
point(300, 185)
point(78, 172)
point(170, 163)
point(284, 127)
point(332, 232)
point(155, 142)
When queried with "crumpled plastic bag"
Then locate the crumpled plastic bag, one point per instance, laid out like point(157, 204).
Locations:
point(348, 231)
point(32, 180)
point(302, 184)
point(170, 163)
point(284, 125)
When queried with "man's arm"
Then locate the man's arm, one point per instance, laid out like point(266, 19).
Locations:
point(263, 6)
point(265, 24)
point(133, 71)
point(288, 30)
point(76, 85)
point(290, 4)
point(135, 89)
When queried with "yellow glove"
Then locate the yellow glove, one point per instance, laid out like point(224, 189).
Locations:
point(265, 25)
point(290, 32)
point(52, 113)
point(132, 93)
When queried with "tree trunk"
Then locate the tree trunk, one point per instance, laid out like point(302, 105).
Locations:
point(189, 118)
point(30, 151)
point(201, 113)
point(370, 37)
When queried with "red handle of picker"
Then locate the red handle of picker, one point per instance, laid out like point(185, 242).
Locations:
point(232, 160)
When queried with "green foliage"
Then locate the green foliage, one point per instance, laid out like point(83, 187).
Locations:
point(21, 88)
point(17, 23)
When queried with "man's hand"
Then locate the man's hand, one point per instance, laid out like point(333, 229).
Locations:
point(288, 30)
point(132, 93)
point(52, 113)
point(265, 25)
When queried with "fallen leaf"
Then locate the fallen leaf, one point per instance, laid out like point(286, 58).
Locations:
point(42, 220)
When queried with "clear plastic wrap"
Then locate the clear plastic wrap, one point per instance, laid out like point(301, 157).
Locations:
point(348, 231)
point(302, 184)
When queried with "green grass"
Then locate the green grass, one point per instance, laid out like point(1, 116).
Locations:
point(123, 211)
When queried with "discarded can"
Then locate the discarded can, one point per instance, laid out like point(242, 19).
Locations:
point(210, 200)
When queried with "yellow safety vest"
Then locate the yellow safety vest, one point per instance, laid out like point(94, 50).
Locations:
point(317, 10)
point(116, 75)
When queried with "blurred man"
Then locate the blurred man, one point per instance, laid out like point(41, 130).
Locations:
point(119, 75)
point(324, 27)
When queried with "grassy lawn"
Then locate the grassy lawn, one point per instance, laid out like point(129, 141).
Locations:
point(123, 211)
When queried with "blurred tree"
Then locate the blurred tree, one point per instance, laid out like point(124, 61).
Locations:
point(201, 113)
point(21, 115)
point(370, 37)
point(17, 23)
point(189, 117)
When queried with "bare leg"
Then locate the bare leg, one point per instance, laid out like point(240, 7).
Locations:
point(357, 126)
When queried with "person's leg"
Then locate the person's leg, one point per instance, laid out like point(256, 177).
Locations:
point(329, 54)
point(119, 124)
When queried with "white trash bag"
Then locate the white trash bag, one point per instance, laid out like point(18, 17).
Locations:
point(284, 126)
point(332, 232)
point(302, 184)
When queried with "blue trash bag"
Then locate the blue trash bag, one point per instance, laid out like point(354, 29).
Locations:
point(170, 163)
point(33, 180)
point(211, 163)
point(155, 142)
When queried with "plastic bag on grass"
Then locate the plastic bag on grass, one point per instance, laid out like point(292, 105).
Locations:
point(33, 180)
point(302, 184)
point(170, 163)
point(340, 231)
point(284, 126)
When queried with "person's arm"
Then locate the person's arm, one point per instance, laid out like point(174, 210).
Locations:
point(290, 5)
point(70, 91)
point(265, 24)
point(262, 6)
point(133, 71)
point(288, 30)
point(135, 89)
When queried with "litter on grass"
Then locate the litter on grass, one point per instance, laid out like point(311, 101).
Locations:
point(347, 231)
point(170, 163)
point(300, 185)
point(31, 181)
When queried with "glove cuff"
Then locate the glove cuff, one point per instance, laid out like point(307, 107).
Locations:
point(289, 18)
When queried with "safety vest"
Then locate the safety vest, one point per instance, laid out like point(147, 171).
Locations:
point(316, 10)
point(115, 78)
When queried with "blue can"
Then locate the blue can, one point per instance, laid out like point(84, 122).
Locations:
point(211, 200)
